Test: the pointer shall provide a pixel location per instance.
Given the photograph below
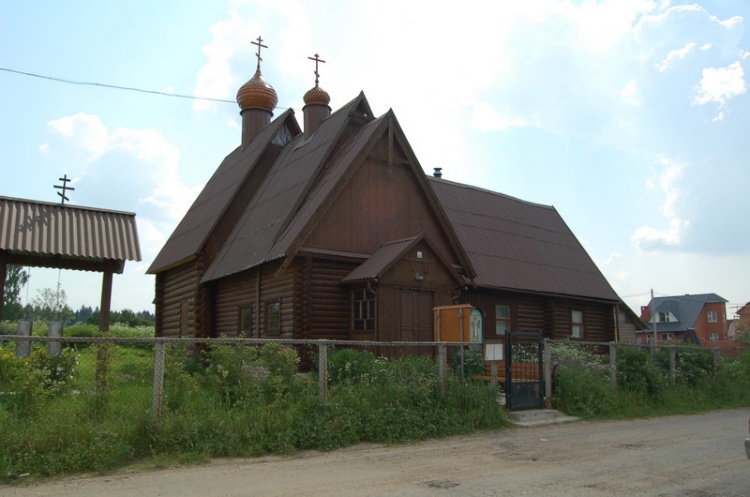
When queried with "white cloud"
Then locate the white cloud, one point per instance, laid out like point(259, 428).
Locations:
point(139, 158)
point(675, 55)
point(485, 118)
point(647, 237)
point(631, 94)
point(720, 84)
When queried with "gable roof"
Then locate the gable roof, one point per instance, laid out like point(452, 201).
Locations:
point(686, 308)
point(46, 234)
point(254, 239)
point(387, 255)
point(518, 245)
point(191, 233)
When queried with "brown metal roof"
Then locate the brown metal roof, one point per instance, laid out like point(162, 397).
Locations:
point(275, 207)
point(518, 245)
point(31, 228)
point(382, 259)
point(190, 235)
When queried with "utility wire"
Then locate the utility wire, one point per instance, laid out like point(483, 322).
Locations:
point(104, 85)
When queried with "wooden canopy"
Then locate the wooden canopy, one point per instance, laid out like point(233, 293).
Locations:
point(42, 234)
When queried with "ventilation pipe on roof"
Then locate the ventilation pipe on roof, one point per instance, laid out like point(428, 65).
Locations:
point(437, 172)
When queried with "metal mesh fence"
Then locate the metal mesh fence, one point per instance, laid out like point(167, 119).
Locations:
point(162, 374)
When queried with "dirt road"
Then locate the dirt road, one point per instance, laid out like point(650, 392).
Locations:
point(694, 456)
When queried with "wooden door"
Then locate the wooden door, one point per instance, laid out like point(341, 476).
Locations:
point(416, 320)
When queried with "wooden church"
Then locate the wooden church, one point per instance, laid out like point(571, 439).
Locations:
point(336, 232)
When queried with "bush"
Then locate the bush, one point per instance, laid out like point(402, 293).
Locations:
point(350, 365)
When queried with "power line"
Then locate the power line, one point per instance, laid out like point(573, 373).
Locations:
point(116, 87)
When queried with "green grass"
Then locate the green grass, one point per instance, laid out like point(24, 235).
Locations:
point(249, 402)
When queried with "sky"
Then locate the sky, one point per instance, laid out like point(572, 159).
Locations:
point(630, 117)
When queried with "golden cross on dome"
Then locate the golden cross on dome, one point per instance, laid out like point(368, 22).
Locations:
point(316, 59)
point(260, 44)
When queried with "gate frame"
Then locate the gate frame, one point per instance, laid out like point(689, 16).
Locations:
point(525, 386)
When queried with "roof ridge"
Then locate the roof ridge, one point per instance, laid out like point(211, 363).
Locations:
point(484, 190)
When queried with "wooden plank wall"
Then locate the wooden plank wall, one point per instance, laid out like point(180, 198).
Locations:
point(178, 285)
point(551, 315)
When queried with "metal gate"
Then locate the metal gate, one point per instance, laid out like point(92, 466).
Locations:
point(524, 370)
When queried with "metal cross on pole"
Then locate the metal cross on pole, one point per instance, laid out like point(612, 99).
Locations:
point(64, 188)
point(316, 59)
point(260, 45)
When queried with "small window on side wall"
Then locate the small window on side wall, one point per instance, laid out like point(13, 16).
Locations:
point(273, 318)
point(363, 310)
point(502, 319)
point(576, 324)
point(245, 321)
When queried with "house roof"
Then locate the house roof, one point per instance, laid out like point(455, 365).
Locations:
point(382, 260)
point(191, 234)
point(518, 245)
point(686, 308)
point(272, 219)
point(66, 236)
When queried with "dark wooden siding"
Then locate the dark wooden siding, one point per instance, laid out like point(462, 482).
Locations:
point(381, 203)
point(548, 314)
point(178, 285)
point(328, 300)
point(241, 290)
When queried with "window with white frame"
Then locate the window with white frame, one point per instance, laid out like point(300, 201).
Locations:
point(713, 316)
point(502, 319)
point(666, 336)
point(714, 337)
point(576, 324)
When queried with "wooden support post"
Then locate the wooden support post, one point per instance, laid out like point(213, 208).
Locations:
point(102, 353)
point(160, 354)
point(323, 370)
point(493, 372)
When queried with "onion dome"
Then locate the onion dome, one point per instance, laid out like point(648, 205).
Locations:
point(257, 94)
point(317, 96)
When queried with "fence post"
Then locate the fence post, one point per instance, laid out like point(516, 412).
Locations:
point(613, 365)
point(159, 359)
point(547, 374)
point(493, 372)
point(55, 330)
point(442, 368)
point(23, 347)
point(323, 370)
point(717, 356)
point(672, 365)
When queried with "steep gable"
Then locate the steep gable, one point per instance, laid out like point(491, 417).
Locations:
point(219, 193)
point(283, 189)
point(372, 192)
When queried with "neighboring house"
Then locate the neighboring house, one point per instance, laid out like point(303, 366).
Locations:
point(336, 232)
point(700, 317)
point(741, 324)
point(629, 325)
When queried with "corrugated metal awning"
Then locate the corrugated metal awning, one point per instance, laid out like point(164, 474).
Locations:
point(66, 232)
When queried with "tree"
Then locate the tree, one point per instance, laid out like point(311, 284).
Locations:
point(16, 279)
point(51, 305)
point(743, 335)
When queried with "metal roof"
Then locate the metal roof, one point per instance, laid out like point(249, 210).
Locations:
point(275, 209)
point(519, 245)
point(67, 231)
point(686, 308)
point(190, 235)
point(381, 260)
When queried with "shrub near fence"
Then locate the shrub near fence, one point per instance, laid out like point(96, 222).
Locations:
point(235, 398)
point(634, 381)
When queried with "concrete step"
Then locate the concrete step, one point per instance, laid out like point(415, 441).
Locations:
point(537, 417)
